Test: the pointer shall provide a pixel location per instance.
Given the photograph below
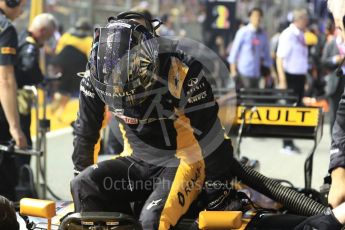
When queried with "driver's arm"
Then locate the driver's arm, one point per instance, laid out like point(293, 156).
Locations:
point(201, 108)
point(87, 127)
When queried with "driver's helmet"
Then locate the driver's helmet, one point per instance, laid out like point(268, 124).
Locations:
point(124, 61)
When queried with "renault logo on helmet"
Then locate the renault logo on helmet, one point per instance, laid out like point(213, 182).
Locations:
point(193, 82)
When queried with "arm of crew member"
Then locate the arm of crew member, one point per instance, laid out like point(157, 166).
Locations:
point(283, 51)
point(233, 70)
point(235, 49)
point(8, 99)
point(281, 74)
point(339, 213)
point(267, 60)
point(337, 157)
point(330, 57)
point(337, 192)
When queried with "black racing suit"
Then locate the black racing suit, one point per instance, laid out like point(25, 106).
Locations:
point(28, 72)
point(173, 143)
point(8, 51)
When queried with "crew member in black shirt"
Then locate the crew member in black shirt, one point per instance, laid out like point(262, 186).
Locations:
point(27, 69)
point(9, 117)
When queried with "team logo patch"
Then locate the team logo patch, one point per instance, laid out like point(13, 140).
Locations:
point(153, 203)
point(198, 97)
point(128, 120)
point(8, 50)
point(192, 82)
point(86, 92)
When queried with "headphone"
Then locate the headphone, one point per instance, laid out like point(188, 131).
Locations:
point(12, 3)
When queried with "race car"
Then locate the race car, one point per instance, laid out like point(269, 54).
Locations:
point(241, 211)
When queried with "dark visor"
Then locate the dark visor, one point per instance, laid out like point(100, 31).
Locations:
point(115, 51)
point(124, 56)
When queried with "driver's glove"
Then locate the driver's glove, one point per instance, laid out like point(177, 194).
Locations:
point(324, 221)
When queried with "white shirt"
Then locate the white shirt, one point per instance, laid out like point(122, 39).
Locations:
point(293, 50)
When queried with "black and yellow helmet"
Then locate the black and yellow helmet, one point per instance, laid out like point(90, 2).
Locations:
point(124, 60)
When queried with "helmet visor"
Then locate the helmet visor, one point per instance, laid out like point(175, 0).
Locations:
point(115, 53)
point(123, 64)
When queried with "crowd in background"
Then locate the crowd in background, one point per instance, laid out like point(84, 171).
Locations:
point(303, 54)
point(300, 54)
point(249, 48)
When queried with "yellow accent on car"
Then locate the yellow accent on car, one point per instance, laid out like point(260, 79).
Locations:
point(220, 220)
point(37, 208)
point(284, 116)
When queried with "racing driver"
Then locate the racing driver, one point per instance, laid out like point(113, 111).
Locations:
point(173, 139)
